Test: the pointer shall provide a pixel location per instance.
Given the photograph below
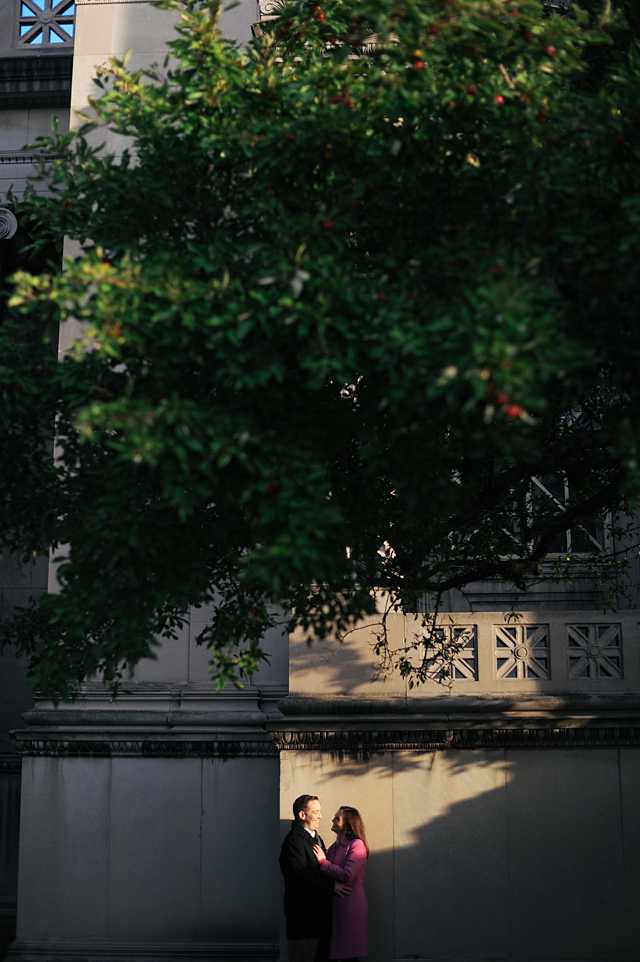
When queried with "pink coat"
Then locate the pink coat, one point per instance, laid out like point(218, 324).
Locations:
point(346, 860)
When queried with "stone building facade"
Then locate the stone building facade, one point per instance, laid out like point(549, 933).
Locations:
point(502, 811)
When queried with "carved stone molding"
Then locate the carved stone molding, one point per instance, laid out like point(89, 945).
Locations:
point(367, 742)
point(11, 764)
point(36, 81)
point(24, 156)
point(115, 747)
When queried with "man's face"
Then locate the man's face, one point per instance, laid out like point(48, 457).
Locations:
point(312, 816)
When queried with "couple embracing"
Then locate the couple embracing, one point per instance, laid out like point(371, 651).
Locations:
point(324, 901)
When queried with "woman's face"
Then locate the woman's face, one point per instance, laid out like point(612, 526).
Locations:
point(337, 825)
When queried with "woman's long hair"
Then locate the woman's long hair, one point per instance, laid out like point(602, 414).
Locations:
point(354, 826)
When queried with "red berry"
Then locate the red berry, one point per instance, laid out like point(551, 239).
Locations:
point(549, 51)
point(499, 99)
point(382, 296)
point(513, 411)
point(473, 90)
point(527, 35)
point(291, 138)
point(321, 16)
point(418, 65)
point(327, 224)
point(502, 398)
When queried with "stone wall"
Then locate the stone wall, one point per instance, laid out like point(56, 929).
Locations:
point(519, 854)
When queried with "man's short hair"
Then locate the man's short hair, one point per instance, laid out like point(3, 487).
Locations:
point(300, 804)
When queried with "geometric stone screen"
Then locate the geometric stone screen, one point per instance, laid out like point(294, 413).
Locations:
point(464, 663)
point(46, 22)
point(594, 651)
point(522, 651)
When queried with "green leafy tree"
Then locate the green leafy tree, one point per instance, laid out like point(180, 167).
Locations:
point(345, 292)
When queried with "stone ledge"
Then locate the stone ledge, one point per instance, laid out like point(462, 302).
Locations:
point(369, 742)
point(130, 744)
point(302, 706)
point(130, 718)
point(118, 950)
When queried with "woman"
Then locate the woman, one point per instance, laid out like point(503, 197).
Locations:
point(345, 862)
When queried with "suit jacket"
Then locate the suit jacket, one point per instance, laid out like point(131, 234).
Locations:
point(307, 892)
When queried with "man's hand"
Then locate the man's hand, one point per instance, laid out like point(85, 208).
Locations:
point(319, 854)
point(342, 889)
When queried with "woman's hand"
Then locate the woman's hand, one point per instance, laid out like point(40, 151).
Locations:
point(319, 854)
point(342, 889)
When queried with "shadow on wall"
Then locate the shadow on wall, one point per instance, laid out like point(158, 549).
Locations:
point(491, 855)
point(9, 829)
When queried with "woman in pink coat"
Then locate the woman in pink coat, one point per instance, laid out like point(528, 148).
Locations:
point(345, 861)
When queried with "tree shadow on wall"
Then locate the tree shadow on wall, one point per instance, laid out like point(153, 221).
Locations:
point(501, 855)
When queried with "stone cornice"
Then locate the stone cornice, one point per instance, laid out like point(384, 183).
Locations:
point(303, 707)
point(25, 156)
point(372, 741)
point(158, 708)
point(10, 764)
point(124, 745)
point(365, 725)
point(127, 718)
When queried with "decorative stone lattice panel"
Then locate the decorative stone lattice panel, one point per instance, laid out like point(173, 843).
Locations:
point(46, 22)
point(455, 648)
point(594, 651)
point(522, 651)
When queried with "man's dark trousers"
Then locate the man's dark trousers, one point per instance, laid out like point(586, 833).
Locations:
point(307, 897)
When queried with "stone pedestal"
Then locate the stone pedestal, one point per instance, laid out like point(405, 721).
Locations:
point(149, 825)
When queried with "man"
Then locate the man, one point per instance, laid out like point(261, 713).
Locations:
point(307, 892)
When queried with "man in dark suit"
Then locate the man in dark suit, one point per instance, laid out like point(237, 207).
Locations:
point(307, 892)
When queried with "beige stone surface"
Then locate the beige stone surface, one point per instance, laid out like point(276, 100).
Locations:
point(329, 667)
point(142, 28)
point(482, 855)
point(94, 31)
point(325, 668)
point(451, 877)
point(15, 129)
point(368, 787)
